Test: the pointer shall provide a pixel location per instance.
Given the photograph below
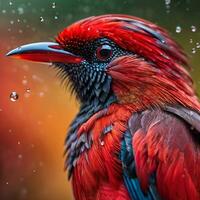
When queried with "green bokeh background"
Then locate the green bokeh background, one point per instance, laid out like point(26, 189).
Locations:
point(26, 21)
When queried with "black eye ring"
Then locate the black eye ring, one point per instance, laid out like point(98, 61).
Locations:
point(104, 52)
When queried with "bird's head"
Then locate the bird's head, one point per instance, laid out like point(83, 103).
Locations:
point(116, 58)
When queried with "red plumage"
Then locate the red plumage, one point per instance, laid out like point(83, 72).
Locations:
point(98, 173)
point(139, 136)
point(139, 85)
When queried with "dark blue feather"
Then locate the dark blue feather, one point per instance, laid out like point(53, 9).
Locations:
point(129, 172)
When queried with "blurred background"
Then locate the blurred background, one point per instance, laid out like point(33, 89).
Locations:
point(35, 111)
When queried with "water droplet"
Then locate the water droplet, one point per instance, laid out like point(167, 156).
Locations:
point(167, 2)
point(55, 17)
point(191, 40)
point(198, 45)
point(18, 142)
point(14, 96)
point(41, 94)
point(193, 28)
point(24, 82)
point(193, 50)
point(6, 183)
point(167, 5)
point(11, 22)
point(10, 3)
point(27, 93)
point(3, 11)
point(20, 31)
point(41, 19)
point(53, 5)
point(28, 90)
point(20, 11)
point(20, 156)
point(102, 142)
point(178, 29)
point(33, 29)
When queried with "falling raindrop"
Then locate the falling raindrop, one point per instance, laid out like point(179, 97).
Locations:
point(14, 96)
point(193, 50)
point(27, 93)
point(193, 28)
point(28, 90)
point(167, 5)
point(41, 164)
point(20, 11)
point(53, 5)
point(20, 31)
point(41, 19)
point(41, 94)
point(33, 29)
point(167, 2)
point(24, 82)
point(178, 29)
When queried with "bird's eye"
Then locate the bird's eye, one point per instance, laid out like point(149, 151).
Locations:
point(104, 52)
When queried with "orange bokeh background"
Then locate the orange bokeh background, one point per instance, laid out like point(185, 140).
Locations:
point(32, 130)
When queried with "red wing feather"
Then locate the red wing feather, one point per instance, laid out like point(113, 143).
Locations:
point(164, 146)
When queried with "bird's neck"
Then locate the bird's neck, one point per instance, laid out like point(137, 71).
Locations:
point(87, 110)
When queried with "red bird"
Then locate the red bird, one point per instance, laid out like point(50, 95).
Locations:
point(137, 134)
